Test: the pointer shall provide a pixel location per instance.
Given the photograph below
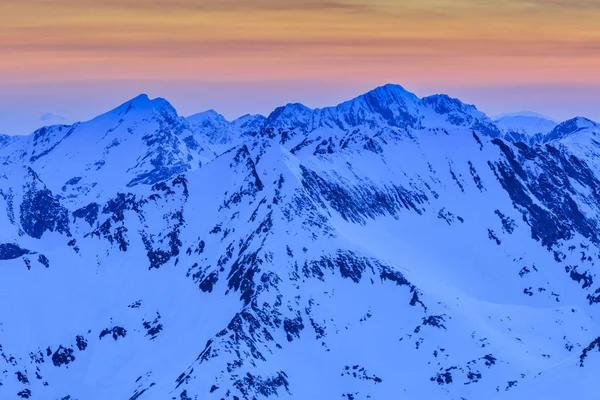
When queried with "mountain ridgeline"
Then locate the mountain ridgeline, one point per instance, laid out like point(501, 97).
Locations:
point(388, 247)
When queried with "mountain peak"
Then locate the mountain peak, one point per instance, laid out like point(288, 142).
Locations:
point(290, 107)
point(387, 105)
point(525, 127)
point(208, 117)
point(212, 125)
point(576, 124)
point(249, 122)
point(143, 103)
point(583, 122)
point(140, 98)
point(206, 114)
point(390, 93)
point(570, 127)
point(390, 88)
point(292, 114)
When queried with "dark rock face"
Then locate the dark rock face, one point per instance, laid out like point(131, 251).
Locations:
point(162, 170)
point(293, 327)
point(42, 259)
point(63, 356)
point(208, 283)
point(117, 206)
point(595, 345)
point(357, 203)
point(22, 378)
point(153, 328)
point(9, 251)
point(160, 256)
point(561, 217)
point(41, 212)
point(89, 213)
point(164, 154)
point(116, 332)
point(379, 101)
point(82, 343)
point(586, 278)
point(263, 387)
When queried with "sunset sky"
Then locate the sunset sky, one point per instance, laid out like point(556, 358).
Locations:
point(67, 60)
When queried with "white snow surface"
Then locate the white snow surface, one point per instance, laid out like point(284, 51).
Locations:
point(390, 247)
point(527, 127)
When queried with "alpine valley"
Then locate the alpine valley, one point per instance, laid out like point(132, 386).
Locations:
point(389, 247)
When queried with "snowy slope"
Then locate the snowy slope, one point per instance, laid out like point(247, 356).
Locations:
point(572, 127)
point(388, 247)
point(141, 141)
point(525, 127)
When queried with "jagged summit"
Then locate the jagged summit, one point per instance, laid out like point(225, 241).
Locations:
point(208, 121)
point(386, 105)
point(383, 107)
point(206, 115)
point(453, 111)
point(388, 94)
point(139, 142)
point(142, 104)
point(444, 104)
point(249, 122)
point(290, 108)
point(292, 114)
point(571, 127)
point(218, 131)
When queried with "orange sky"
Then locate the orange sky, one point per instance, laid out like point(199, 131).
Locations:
point(424, 44)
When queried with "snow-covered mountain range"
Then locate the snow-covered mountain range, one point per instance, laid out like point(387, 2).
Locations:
point(389, 247)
